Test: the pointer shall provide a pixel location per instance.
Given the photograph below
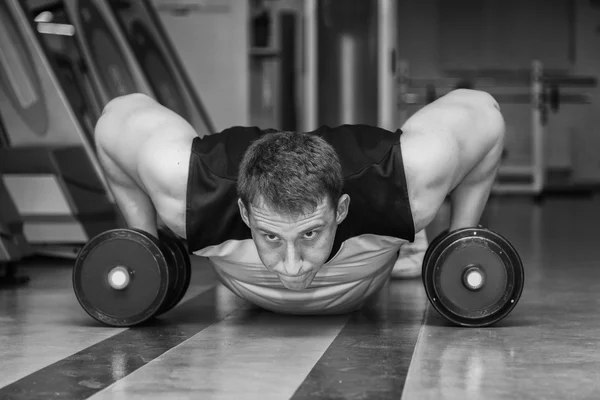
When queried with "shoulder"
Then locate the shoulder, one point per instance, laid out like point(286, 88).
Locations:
point(128, 108)
point(140, 113)
point(129, 101)
point(469, 100)
point(462, 117)
point(161, 137)
point(477, 98)
point(475, 107)
point(459, 110)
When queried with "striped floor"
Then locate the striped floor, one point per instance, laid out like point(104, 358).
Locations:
point(216, 346)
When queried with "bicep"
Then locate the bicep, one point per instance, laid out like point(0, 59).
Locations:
point(117, 116)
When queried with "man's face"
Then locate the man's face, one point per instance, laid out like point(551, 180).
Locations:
point(295, 248)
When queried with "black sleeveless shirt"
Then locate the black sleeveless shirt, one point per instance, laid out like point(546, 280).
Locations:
point(372, 167)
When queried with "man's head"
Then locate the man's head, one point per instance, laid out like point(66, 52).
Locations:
point(290, 196)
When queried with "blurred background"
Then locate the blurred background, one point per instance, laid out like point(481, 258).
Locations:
point(285, 64)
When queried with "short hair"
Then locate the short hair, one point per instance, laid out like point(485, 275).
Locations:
point(291, 172)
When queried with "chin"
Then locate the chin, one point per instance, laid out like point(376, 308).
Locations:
point(298, 285)
point(295, 286)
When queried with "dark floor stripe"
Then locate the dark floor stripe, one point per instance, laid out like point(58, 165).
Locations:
point(93, 369)
point(369, 359)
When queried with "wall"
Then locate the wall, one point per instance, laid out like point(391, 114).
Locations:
point(584, 122)
point(500, 35)
point(271, 104)
point(347, 62)
point(211, 37)
point(214, 48)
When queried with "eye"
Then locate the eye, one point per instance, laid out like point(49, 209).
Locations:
point(271, 238)
point(311, 234)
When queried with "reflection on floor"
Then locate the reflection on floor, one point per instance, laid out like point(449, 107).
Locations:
point(215, 345)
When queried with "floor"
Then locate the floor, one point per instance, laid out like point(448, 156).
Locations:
point(216, 346)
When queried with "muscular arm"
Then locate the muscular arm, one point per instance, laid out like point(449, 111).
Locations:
point(455, 146)
point(144, 149)
point(470, 196)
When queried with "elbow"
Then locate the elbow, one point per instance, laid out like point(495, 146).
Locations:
point(479, 98)
point(488, 106)
point(496, 123)
point(492, 101)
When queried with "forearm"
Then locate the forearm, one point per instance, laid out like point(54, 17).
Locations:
point(137, 209)
point(134, 204)
point(470, 196)
point(469, 199)
point(467, 203)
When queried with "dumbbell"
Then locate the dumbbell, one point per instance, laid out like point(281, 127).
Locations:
point(180, 281)
point(473, 276)
point(123, 277)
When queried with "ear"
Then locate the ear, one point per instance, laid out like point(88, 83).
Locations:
point(342, 208)
point(244, 212)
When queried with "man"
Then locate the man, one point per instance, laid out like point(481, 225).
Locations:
point(302, 222)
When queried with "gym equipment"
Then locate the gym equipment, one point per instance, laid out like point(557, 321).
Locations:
point(545, 95)
point(180, 273)
point(113, 69)
point(33, 105)
point(71, 73)
point(13, 245)
point(60, 200)
point(122, 277)
point(432, 245)
point(275, 39)
point(10, 278)
point(159, 61)
point(551, 96)
point(49, 166)
point(127, 52)
point(350, 68)
point(4, 142)
point(473, 277)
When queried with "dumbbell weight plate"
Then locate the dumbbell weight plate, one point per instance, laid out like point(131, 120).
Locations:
point(184, 259)
point(473, 253)
point(121, 256)
point(181, 268)
point(431, 248)
point(172, 264)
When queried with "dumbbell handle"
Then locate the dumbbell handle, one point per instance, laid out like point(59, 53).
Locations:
point(119, 277)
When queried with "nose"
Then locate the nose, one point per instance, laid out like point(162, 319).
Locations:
point(292, 261)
